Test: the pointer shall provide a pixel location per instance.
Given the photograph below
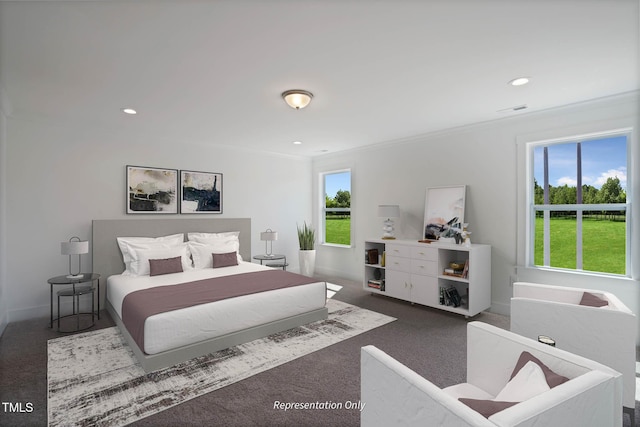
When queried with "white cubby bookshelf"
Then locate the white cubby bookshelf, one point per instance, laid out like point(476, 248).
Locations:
point(416, 272)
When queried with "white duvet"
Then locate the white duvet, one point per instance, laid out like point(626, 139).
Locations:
point(167, 331)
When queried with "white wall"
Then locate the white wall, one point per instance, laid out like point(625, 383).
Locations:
point(4, 112)
point(484, 157)
point(62, 176)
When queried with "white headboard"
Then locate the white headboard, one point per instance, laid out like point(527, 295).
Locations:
point(107, 259)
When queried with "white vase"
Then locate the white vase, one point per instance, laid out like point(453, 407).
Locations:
point(307, 262)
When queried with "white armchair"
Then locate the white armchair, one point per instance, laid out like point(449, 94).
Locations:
point(394, 395)
point(603, 334)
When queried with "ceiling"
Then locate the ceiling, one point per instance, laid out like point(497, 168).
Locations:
point(211, 72)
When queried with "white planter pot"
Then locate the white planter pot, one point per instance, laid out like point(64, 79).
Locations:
point(307, 262)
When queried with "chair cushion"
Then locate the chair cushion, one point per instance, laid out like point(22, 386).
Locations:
point(552, 378)
point(592, 300)
point(530, 381)
point(486, 408)
point(468, 391)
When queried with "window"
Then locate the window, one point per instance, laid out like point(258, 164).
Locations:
point(336, 207)
point(578, 218)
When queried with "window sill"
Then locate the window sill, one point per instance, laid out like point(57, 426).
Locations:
point(336, 245)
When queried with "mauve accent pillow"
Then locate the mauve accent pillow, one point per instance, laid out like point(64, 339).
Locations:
point(158, 267)
point(486, 408)
point(592, 300)
point(225, 260)
point(552, 378)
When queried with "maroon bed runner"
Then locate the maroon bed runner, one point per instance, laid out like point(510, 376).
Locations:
point(139, 305)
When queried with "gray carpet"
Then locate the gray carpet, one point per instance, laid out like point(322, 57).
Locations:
point(429, 341)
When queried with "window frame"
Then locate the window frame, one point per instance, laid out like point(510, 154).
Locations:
point(531, 207)
point(324, 209)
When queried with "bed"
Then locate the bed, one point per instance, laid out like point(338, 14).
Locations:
point(166, 338)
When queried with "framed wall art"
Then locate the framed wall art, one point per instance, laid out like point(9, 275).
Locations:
point(201, 192)
point(444, 207)
point(152, 190)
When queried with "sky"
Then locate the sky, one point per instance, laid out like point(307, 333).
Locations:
point(337, 181)
point(601, 159)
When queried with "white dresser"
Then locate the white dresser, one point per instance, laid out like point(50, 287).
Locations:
point(421, 273)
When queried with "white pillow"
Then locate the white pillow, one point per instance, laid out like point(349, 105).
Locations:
point(209, 237)
point(528, 382)
point(202, 252)
point(140, 257)
point(124, 242)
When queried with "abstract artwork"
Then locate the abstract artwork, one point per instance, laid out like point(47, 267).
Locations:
point(201, 192)
point(152, 190)
point(444, 208)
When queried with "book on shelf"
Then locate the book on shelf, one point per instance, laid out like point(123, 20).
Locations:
point(465, 270)
point(376, 284)
point(371, 256)
point(463, 273)
point(450, 296)
point(452, 272)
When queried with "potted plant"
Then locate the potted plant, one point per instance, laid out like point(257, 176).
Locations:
point(307, 254)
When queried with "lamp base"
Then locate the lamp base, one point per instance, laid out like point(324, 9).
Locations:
point(387, 230)
point(75, 276)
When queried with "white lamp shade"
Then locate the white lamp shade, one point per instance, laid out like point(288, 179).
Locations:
point(269, 235)
point(74, 248)
point(389, 211)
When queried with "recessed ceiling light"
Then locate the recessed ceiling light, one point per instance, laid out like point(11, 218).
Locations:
point(519, 81)
point(297, 142)
point(129, 111)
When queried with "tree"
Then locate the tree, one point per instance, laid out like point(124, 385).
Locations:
point(343, 199)
point(612, 192)
point(589, 194)
point(563, 195)
point(538, 193)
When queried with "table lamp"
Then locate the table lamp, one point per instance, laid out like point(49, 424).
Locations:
point(388, 211)
point(74, 246)
point(268, 236)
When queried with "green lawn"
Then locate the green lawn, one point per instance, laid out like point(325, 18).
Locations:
point(338, 230)
point(603, 244)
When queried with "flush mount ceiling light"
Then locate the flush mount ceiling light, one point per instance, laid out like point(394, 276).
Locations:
point(297, 142)
point(519, 81)
point(129, 111)
point(297, 98)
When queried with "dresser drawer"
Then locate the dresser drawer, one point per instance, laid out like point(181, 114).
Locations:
point(398, 250)
point(428, 253)
point(398, 263)
point(424, 267)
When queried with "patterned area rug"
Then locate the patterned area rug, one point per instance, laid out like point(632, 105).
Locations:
point(93, 378)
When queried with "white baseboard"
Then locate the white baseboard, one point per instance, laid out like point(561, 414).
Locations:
point(500, 308)
point(28, 313)
point(3, 323)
